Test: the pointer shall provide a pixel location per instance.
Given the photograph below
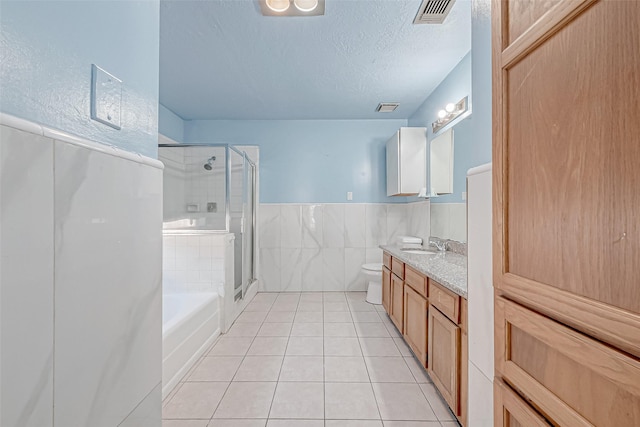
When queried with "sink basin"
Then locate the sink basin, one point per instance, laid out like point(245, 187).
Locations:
point(419, 251)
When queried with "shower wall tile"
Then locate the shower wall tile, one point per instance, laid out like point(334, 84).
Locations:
point(193, 263)
point(333, 226)
point(269, 226)
point(354, 226)
point(290, 226)
point(312, 226)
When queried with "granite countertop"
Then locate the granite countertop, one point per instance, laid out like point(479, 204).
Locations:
point(448, 268)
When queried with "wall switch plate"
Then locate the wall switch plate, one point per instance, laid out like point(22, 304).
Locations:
point(349, 195)
point(106, 97)
point(464, 195)
point(193, 207)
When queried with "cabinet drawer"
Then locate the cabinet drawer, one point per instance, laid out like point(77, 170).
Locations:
point(416, 280)
point(573, 379)
point(511, 411)
point(386, 260)
point(445, 300)
point(397, 267)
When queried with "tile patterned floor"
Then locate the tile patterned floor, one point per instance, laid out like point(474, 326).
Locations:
point(308, 360)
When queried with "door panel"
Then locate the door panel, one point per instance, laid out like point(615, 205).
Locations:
point(415, 323)
point(444, 356)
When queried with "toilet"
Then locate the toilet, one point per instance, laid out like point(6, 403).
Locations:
point(373, 274)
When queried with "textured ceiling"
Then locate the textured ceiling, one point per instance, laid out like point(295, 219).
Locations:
point(221, 59)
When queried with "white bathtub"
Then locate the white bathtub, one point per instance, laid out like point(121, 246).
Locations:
point(190, 324)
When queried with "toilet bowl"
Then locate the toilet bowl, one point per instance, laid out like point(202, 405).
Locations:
point(373, 274)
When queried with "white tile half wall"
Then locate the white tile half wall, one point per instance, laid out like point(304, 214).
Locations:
point(80, 281)
point(321, 247)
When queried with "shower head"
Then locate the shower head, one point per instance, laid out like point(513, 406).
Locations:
point(209, 165)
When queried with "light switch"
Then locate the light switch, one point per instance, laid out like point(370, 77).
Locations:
point(106, 97)
point(349, 195)
point(464, 195)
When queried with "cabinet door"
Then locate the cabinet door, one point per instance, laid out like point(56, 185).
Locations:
point(511, 411)
point(415, 323)
point(566, 229)
point(444, 357)
point(386, 289)
point(397, 301)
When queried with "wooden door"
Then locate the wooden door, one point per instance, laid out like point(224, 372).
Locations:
point(397, 301)
point(386, 289)
point(444, 356)
point(415, 323)
point(565, 158)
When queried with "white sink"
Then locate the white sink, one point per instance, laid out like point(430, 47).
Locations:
point(419, 251)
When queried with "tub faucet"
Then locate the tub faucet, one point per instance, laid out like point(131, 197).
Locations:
point(441, 245)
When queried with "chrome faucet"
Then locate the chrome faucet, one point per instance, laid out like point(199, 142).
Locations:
point(441, 245)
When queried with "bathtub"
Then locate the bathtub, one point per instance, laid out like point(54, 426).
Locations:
point(190, 324)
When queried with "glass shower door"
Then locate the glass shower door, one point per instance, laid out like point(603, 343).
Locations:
point(249, 221)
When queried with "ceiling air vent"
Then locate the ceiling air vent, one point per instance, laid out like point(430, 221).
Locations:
point(433, 11)
point(387, 107)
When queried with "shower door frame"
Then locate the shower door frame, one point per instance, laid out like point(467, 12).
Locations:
point(249, 281)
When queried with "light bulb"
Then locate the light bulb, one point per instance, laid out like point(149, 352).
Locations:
point(305, 5)
point(278, 5)
point(442, 114)
point(450, 107)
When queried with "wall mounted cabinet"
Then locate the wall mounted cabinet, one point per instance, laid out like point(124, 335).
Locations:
point(407, 162)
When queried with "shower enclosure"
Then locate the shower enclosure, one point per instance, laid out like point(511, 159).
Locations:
point(211, 190)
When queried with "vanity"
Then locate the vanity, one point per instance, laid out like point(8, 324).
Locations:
point(424, 293)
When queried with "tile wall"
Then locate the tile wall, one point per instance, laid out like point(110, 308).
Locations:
point(321, 247)
point(193, 263)
point(449, 221)
point(80, 245)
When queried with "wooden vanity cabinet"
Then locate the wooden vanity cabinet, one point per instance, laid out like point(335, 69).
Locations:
point(397, 302)
point(447, 347)
point(415, 313)
point(386, 289)
point(510, 410)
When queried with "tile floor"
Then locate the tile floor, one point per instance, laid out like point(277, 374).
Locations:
point(326, 359)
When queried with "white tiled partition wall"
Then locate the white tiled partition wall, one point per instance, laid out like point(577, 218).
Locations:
point(321, 247)
point(193, 262)
point(80, 280)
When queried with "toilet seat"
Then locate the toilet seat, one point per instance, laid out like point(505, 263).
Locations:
point(372, 267)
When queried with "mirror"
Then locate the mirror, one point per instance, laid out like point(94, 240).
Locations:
point(449, 211)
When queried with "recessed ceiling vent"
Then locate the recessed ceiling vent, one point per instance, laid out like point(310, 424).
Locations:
point(387, 107)
point(433, 11)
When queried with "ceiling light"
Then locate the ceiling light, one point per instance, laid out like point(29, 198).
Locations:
point(285, 9)
point(305, 5)
point(278, 5)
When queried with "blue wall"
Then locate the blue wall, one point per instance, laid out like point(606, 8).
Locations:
point(170, 124)
point(46, 52)
point(311, 161)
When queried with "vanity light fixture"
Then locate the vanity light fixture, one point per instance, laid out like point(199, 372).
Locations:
point(292, 7)
point(450, 112)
